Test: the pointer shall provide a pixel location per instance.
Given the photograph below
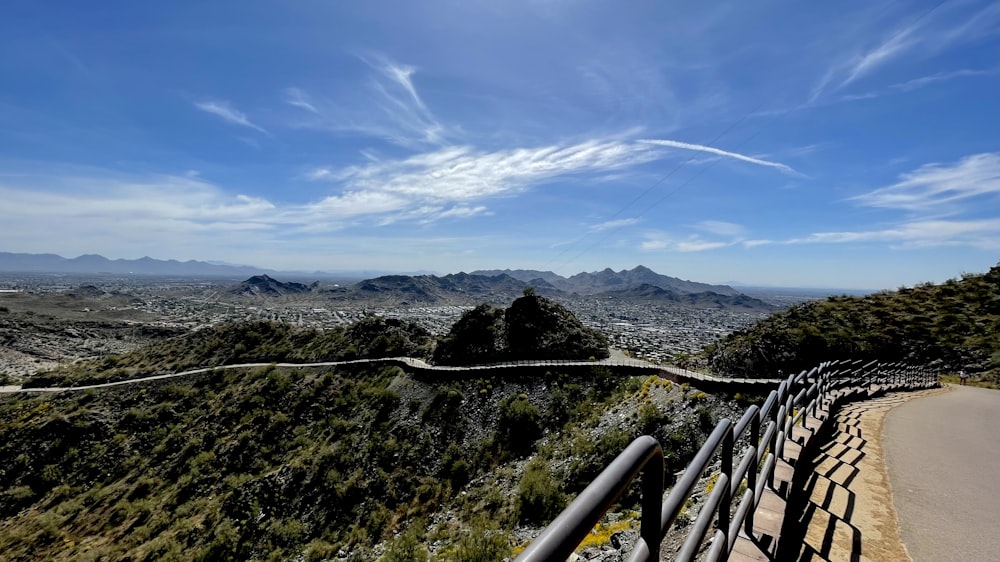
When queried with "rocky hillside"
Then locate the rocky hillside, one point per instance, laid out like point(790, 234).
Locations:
point(646, 293)
point(266, 286)
point(596, 282)
point(249, 342)
point(431, 288)
point(361, 463)
point(533, 327)
point(954, 325)
point(639, 284)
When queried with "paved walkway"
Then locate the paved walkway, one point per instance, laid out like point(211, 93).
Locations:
point(943, 459)
point(845, 501)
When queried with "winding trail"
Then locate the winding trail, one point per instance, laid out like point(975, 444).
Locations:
point(420, 365)
point(943, 457)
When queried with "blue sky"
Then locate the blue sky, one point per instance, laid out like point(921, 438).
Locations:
point(840, 144)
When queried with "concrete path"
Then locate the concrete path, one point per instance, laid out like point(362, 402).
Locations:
point(943, 459)
point(843, 506)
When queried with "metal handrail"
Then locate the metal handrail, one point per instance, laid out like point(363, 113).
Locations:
point(796, 397)
point(568, 530)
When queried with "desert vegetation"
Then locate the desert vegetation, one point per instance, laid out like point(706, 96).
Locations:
point(953, 326)
point(532, 327)
point(271, 463)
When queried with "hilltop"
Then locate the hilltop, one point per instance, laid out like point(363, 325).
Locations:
point(951, 326)
point(533, 327)
point(266, 286)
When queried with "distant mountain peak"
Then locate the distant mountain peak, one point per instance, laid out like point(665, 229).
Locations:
point(264, 285)
point(95, 264)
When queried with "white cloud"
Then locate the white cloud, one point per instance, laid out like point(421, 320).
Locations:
point(462, 212)
point(613, 224)
point(934, 31)
point(389, 109)
point(657, 240)
point(918, 83)
point(939, 188)
point(899, 43)
point(698, 245)
point(352, 203)
point(298, 98)
point(719, 152)
point(462, 173)
point(402, 106)
point(319, 174)
point(978, 233)
point(226, 112)
point(721, 228)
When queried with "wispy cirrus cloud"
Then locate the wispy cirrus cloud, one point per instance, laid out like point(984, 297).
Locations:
point(400, 101)
point(225, 111)
point(923, 81)
point(462, 173)
point(387, 108)
point(297, 98)
point(938, 188)
point(943, 203)
point(726, 234)
point(659, 241)
point(934, 31)
point(722, 228)
point(894, 46)
point(893, 89)
point(613, 224)
point(719, 152)
point(977, 233)
point(450, 183)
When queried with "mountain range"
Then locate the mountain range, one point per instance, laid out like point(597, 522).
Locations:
point(93, 264)
point(639, 284)
point(96, 264)
point(610, 280)
point(469, 288)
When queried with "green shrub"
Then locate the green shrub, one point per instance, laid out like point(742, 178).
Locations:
point(650, 418)
point(519, 424)
point(405, 547)
point(538, 496)
point(483, 546)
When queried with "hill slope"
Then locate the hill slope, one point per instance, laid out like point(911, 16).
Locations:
point(533, 327)
point(249, 342)
point(320, 464)
point(265, 285)
point(954, 325)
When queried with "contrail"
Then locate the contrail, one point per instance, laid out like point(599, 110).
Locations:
point(711, 150)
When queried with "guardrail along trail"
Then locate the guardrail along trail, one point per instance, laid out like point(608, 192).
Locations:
point(843, 509)
point(775, 434)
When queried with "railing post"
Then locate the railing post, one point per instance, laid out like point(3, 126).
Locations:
point(752, 473)
point(652, 497)
point(727, 469)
